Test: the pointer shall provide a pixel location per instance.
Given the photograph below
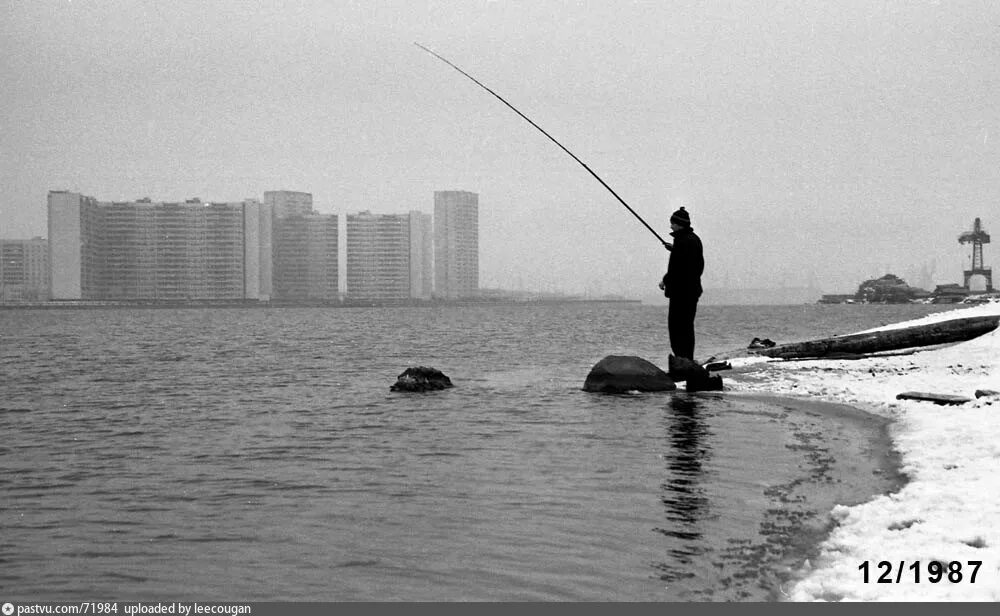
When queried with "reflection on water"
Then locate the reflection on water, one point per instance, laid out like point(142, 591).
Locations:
point(684, 498)
point(746, 491)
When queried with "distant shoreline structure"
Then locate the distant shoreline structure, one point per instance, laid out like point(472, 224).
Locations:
point(412, 303)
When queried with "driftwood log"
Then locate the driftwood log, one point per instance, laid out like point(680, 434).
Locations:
point(924, 396)
point(956, 330)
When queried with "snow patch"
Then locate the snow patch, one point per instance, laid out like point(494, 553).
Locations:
point(948, 510)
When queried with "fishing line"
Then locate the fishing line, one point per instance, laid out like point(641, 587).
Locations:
point(551, 138)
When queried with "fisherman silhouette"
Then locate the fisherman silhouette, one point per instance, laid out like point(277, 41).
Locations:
point(682, 283)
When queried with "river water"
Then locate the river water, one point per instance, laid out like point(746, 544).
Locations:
point(257, 454)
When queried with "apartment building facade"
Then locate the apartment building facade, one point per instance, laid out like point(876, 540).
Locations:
point(285, 203)
point(378, 257)
point(421, 255)
point(456, 244)
point(388, 256)
point(24, 270)
point(141, 250)
point(306, 257)
point(306, 248)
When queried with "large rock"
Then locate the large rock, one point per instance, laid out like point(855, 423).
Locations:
point(421, 379)
point(622, 373)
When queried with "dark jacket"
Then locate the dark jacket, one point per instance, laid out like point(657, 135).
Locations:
point(683, 277)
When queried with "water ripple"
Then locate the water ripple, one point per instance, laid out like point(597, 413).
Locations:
point(253, 453)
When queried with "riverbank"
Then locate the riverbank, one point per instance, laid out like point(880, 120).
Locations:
point(950, 454)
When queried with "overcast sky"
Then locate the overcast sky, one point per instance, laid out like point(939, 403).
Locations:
point(833, 140)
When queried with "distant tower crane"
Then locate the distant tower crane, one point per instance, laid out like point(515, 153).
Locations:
point(977, 237)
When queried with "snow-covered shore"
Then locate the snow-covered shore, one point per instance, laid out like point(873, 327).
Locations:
point(949, 511)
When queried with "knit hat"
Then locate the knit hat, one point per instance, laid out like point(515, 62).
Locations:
point(681, 217)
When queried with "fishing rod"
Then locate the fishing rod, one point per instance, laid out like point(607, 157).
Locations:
point(665, 243)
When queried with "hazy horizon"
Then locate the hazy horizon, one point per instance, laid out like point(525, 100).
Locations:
point(812, 143)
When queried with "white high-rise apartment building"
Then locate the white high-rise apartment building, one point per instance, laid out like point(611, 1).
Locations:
point(72, 236)
point(388, 256)
point(456, 244)
point(378, 256)
point(140, 250)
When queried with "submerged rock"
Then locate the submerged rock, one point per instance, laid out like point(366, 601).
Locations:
point(421, 379)
point(622, 373)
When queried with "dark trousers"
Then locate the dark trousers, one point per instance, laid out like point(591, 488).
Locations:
point(680, 324)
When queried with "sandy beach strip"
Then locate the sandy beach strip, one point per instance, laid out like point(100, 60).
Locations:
point(949, 510)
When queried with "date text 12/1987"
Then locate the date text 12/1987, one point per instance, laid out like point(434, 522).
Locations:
point(936, 571)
